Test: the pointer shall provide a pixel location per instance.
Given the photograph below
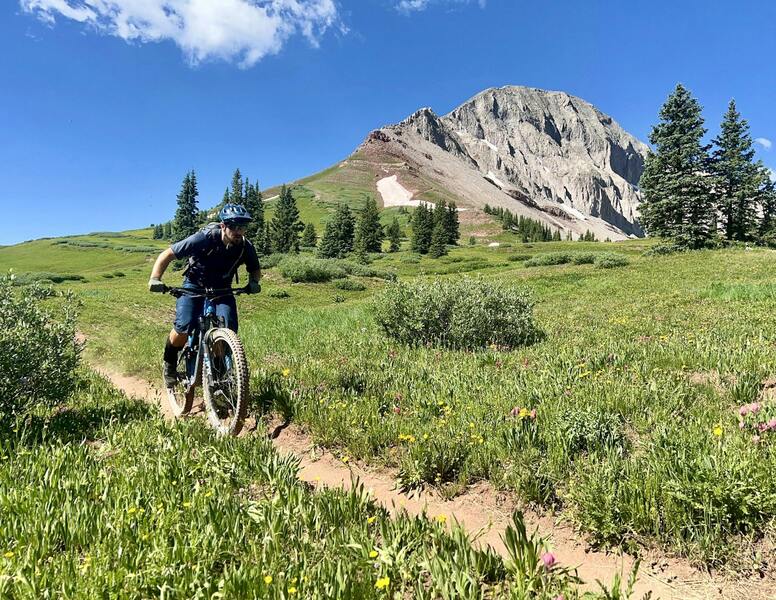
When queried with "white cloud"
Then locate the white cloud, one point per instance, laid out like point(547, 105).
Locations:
point(409, 6)
point(764, 142)
point(242, 31)
point(773, 174)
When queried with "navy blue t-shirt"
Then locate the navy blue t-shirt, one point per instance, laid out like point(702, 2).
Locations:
point(211, 263)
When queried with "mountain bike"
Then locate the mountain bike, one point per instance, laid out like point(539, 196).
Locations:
point(214, 358)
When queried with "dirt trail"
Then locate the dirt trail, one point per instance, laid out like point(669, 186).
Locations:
point(487, 512)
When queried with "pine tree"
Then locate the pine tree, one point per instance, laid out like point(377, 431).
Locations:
point(337, 239)
point(768, 203)
point(266, 240)
point(286, 225)
point(438, 246)
point(677, 201)
point(394, 235)
point(556, 235)
point(168, 230)
point(369, 231)
point(236, 196)
point(422, 229)
point(309, 236)
point(254, 204)
point(737, 183)
point(185, 220)
point(452, 225)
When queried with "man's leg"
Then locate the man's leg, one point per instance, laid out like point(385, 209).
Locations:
point(185, 309)
point(227, 308)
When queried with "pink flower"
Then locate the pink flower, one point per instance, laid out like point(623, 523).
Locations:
point(762, 427)
point(533, 414)
point(741, 424)
point(548, 558)
point(772, 424)
point(515, 411)
point(755, 439)
point(754, 408)
point(743, 411)
point(397, 410)
point(560, 597)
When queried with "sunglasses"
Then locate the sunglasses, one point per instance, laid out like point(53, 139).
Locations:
point(239, 227)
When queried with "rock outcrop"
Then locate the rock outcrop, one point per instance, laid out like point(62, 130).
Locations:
point(548, 153)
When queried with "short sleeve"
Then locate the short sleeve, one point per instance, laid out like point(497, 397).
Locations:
point(251, 258)
point(190, 246)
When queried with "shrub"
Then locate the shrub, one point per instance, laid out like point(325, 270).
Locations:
point(310, 270)
point(271, 260)
point(350, 285)
point(610, 260)
point(361, 270)
point(518, 257)
point(118, 273)
point(411, 259)
point(583, 258)
point(44, 278)
point(661, 250)
point(39, 353)
point(468, 313)
point(549, 258)
point(278, 294)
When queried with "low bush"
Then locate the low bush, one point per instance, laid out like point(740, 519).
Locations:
point(548, 259)
point(661, 250)
point(44, 277)
point(518, 257)
point(464, 314)
point(583, 258)
point(271, 260)
point(610, 260)
point(350, 285)
point(360, 270)
point(303, 269)
point(39, 353)
point(278, 294)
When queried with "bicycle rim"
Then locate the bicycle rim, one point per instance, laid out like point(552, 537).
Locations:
point(181, 397)
point(226, 382)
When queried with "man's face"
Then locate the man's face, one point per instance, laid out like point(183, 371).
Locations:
point(233, 234)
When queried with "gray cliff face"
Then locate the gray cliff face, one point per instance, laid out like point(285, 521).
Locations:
point(551, 148)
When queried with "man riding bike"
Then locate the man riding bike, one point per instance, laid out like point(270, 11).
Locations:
point(215, 253)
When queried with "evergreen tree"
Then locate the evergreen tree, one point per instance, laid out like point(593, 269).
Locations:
point(158, 232)
point(266, 240)
point(452, 225)
point(185, 220)
point(677, 201)
point(422, 228)
point(768, 203)
point(309, 236)
point(369, 231)
point(438, 246)
point(338, 234)
point(556, 236)
point(236, 196)
point(738, 180)
point(254, 204)
point(168, 230)
point(286, 225)
point(394, 235)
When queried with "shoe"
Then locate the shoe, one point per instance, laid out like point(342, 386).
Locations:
point(170, 375)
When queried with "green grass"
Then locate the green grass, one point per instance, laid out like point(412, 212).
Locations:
point(102, 498)
point(623, 442)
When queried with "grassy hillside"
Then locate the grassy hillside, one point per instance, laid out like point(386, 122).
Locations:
point(636, 387)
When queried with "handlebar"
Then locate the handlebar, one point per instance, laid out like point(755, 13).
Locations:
point(211, 293)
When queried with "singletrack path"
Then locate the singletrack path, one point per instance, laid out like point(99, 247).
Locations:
point(483, 512)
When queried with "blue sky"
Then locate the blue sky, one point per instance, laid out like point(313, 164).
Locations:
point(105, 104)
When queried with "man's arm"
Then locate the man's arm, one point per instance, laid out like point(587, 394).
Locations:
point(160, 266)
point(254, 287)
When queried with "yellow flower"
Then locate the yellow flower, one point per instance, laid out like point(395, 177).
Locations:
point(286, 372)
point(373, 554)
point(9, 554)
point(208, 493)
point(187, 504)
point(383, 582)
point(524, 413)
point(425, 436)
point(292, 590)
point(268, 579)
point(442, 519)
point(345, 459)
point(131, 510)
point(371, 520)
point(718, 430)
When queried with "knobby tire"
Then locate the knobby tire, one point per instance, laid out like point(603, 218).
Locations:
point(232, 424)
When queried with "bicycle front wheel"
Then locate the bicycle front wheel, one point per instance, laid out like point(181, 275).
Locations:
point(225, 388)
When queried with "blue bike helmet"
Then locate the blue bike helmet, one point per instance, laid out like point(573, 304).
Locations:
point(234, 214)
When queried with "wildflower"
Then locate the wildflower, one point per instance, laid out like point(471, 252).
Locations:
point(548, 558)
point(208, 493)
point(292, 590)
point(523, 413)
point(762, 427)
point(268, 579)
point(718, 431)
point(131, 510)
point(425, 436)
point(345, 459)
point(382, 583)
point(442, 519)
point(741, 424)
point(560, 597)
point(286, 372)
point(373, 554)
point(371, 520)
point(772, 424)
point(744, 410)
point(755, 439)
point(532, 414)
point(397, 410)
point(754, 408)
point(9, 554)
point(515, 411)
point(187, 504)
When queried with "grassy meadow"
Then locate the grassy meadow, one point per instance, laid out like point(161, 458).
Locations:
point(625, 419)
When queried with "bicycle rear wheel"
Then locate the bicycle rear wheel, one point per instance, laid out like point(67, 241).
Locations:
point(181, 397)
point(225, 385)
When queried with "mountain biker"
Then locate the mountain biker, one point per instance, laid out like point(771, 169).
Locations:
point(215, 253)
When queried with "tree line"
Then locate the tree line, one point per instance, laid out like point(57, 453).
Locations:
point(434, 228)
point(698, 195)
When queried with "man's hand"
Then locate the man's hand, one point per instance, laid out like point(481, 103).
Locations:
point(254, 287)
point(156, 285)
